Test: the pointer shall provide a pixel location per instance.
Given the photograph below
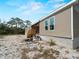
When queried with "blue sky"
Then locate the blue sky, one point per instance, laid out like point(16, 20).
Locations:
point(31, 10)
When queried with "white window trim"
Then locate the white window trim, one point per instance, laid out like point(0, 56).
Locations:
point(54, 23)
point(72, 34)
point(45, 25)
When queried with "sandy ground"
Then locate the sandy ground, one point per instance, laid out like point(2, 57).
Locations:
point(14, 47)
point(10, 46)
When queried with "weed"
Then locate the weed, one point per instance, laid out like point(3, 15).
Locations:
point(41, 49)
point(48, 54)
point(51, 43)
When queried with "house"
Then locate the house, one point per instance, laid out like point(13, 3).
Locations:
point(62, 25)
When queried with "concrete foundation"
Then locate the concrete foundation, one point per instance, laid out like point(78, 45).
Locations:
point(60, 41)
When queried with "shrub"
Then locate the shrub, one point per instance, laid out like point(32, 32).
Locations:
point(51, 43)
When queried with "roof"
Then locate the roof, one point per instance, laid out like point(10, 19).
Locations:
point(57, 10)
point(36, 23)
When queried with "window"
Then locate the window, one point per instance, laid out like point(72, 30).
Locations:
point(46, 25)
point(52, 23)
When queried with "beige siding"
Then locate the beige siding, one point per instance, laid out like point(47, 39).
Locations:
point(62, 25)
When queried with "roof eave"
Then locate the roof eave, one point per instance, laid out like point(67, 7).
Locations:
point(58, 9)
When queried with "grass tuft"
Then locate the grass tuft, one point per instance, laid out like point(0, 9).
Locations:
point(51, 43)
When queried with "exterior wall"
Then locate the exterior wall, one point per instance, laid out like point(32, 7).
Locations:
point(76, 23)
point(76, 27)
point(62, 25)
point(68, 43)
point(26, 31)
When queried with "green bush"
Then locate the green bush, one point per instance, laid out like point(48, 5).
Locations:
point(5, 30)
point(51, 42)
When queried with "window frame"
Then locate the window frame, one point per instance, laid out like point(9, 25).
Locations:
point(50, 23)
point(46, 25)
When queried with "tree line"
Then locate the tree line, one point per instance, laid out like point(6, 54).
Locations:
point(14, 26)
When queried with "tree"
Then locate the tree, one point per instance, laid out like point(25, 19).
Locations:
point(15, 22)
point(14, 26)
point(27, 23)
point(11, 23)
point(0, 21)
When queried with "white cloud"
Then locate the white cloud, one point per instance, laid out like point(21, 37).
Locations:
point(22, 8)
point(58, 5)
point(52, 2)
point(31, 7)
point(56, 0)
point(26, 8)
point(55, 3)
point(35, 8)
point(36, 5)
point(12, 3)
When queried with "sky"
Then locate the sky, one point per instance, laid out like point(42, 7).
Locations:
point(31, 10)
